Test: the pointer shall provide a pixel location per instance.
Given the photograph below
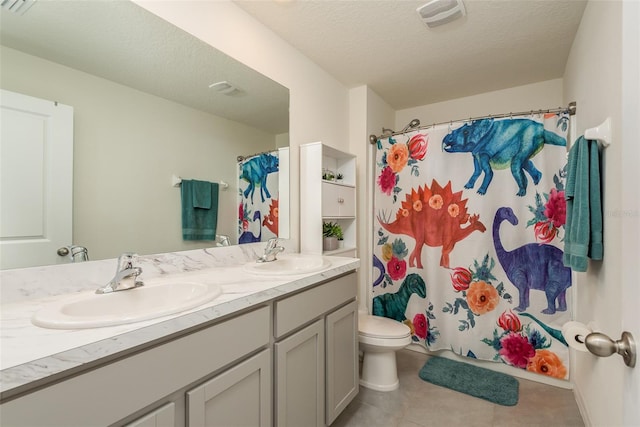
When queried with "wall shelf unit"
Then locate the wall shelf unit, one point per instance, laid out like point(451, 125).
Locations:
point(327, 200)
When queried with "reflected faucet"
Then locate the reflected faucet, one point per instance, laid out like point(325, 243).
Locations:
point(126, 275)
point(270, 251)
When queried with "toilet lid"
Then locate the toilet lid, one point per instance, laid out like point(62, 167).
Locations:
point(381, 327)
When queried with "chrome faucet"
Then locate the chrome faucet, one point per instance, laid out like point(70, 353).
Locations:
point(126, 275)
point(270, 251)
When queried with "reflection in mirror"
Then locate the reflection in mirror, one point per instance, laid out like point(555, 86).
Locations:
point(149, 102)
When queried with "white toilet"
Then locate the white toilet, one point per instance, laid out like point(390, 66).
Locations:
point(379, 339)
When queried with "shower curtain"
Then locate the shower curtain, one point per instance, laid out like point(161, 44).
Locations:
point(258, 197)
point(468, 237)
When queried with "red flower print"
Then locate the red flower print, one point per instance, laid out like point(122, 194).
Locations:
point(387, 180)
point(516, 350)
point(418, 146)
point(460, 279)
point(240, 211)
point(556, 208)
point(509, 321)
point(421, 326)
point(545, 231)
point(397, 268)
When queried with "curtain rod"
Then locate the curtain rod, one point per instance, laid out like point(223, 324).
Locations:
point(241, 158)
point(571, 109)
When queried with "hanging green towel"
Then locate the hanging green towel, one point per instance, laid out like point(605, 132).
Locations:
point(199, 223)
point(583, 229)
point(201, 191)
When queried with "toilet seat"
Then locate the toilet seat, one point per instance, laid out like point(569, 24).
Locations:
point(381, 327)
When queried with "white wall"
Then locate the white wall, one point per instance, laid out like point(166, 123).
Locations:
point(368, 114)
point(127, 145)
point(593, 77)
point(543, 95)
point(319, 104)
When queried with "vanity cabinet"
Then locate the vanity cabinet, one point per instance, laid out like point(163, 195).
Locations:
point(241, 396)
point(327, 200)
point(316, 352)
point(289, 361)
point(123, 390)
point(161, 417)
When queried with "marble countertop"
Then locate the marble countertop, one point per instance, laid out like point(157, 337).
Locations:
point(32, 356)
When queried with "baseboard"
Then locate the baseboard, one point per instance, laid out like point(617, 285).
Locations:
point(582, 407)
point(497, 367)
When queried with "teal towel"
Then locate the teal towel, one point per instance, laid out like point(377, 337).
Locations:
point(198, 223)
point(201, 194)
point(583, 229)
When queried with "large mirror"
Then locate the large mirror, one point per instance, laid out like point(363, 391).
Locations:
point(146, 109)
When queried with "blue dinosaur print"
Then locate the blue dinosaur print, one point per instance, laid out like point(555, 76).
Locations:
point(498, 144)
point(255, 171)
point(393, 306)
point(533, 266)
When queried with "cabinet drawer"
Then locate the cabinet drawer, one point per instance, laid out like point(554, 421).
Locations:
point(301, 308)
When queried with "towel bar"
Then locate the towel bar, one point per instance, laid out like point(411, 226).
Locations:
point(177, 180)
point(601, 133)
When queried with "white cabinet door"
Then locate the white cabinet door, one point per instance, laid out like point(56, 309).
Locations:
point(338, 200)
point(300, 378)
point(341, 359)
point(36, 166)
point(161, 417)
point(240, 396)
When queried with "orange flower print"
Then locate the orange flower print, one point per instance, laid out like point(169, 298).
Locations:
point(482, 297)
point(404, 212)
point(387, 252)
point(436, 201)
point(548, 363)
point(417, 206)
point(410, 325)
point(454, 210)
point(398, 157)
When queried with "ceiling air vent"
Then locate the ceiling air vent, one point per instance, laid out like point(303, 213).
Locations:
point(439, 12)
point(224, 88)
point(17, 6)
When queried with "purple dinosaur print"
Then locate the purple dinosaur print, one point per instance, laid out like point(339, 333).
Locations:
point(248, 236)
point(533, 266)
point(255, 171)
point(500, 144)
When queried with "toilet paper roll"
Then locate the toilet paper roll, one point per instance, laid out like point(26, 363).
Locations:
point(575, 334)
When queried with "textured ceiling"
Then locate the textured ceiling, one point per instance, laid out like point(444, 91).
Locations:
point(384, 44)
point(120, 41)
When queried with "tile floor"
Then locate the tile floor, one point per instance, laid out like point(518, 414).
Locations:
point(419, 403)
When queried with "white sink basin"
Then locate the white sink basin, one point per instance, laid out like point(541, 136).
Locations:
point(289, 264)
point(91, 310)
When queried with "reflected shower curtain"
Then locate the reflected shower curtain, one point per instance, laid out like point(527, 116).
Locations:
point(468, 237)
point(258, 197)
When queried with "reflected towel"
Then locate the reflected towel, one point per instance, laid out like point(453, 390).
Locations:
point(583, 229)
point(199, 223)
point(201, 194)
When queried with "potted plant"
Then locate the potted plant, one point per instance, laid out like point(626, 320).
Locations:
point(331, 233)
point(339, 177)
point(328, 175)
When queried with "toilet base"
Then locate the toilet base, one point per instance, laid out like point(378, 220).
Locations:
point(379, 371)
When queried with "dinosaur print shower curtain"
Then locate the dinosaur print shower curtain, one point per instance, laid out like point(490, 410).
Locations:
point(468, 237)
point(258, 197)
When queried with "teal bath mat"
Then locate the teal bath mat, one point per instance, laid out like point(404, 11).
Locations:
point(465, 378)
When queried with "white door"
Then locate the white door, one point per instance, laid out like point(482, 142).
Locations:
point(631, 211)
point(36, 180)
